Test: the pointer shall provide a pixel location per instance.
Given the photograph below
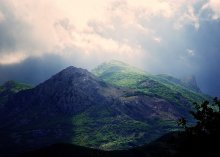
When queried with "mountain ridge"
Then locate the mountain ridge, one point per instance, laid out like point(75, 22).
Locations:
point(75, 106)
point(115, 65)
point(125, 76)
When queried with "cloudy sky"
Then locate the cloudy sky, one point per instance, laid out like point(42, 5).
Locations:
point(181, 38)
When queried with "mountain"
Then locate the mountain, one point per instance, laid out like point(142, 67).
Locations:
point(9, 88)
point(191, 83)
point(119, 108)
point(182, 92)
point(201, 139)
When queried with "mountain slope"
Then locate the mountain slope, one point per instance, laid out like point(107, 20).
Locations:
point(9, 88)
point(170, 145)
point(46, 112)
point(182, 92)
point(119, 73)
point(75, 106)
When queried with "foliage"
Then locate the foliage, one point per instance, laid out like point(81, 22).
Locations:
point(123, 75)
point(207, 119)
point(109, 132)
point(119, 74)
point(14, 86)
point(9, 88)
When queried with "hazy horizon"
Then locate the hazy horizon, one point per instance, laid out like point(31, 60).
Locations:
point(179, 38)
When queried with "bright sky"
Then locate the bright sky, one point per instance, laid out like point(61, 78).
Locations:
point(161, 36)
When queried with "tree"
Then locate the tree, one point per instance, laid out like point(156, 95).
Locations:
point(207, 118)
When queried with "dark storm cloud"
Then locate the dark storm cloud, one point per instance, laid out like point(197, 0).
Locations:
point(32, 70)
point(206, 41)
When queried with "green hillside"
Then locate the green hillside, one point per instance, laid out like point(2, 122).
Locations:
point(119, 108)
point(120, 74)
point(107, 132)
point(167, 87)
point(9, 88)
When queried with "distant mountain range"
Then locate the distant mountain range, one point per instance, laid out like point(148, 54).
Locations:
point(116, 106)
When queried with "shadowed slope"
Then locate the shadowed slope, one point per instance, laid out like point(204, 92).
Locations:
point(75, 106)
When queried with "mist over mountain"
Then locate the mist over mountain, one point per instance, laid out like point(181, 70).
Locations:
point(34, 71)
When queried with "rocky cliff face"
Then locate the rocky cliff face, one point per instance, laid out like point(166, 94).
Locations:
point(191, 83)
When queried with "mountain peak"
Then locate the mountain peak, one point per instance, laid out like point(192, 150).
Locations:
point(115, 66)
point(191, 82)
point(72, 72)
point(117, 62)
